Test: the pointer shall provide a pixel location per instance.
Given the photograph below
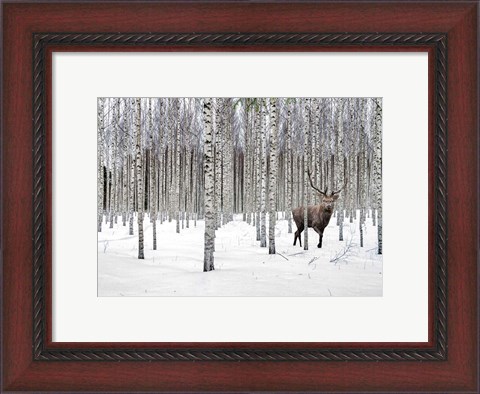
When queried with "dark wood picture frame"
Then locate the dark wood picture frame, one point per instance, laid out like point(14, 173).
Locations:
point(32, 361)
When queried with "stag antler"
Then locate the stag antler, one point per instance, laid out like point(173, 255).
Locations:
point(311, 183)
point(339, 190)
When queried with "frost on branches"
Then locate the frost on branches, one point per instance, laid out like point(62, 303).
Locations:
point(205, 196)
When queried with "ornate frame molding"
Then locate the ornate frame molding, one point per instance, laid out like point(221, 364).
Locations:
point(40, 43)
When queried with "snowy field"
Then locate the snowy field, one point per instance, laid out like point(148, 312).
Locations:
point(242, 267)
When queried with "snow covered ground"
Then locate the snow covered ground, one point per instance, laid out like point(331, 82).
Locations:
point(242, 267)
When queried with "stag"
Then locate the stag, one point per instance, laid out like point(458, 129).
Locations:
point(318, 215)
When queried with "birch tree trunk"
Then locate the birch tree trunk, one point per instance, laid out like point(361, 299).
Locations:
point(362, 178)
point(377, 168)
point(228, 162)
point(161, 161)
point(113, 195)
point(246, 168)
point(169, 160)
point(340, 167)
point(132, 179)
point(263, 214)
point(139, 176)
point(272, 187)
point(258, 171)
point(306, 164)
point(100, 159)
point(131, 194)
point(218, 162)
point(208, 261)
point(195, 187)
point(125, 171)
point(177, 165)
point(288, 173)
point(152, 183)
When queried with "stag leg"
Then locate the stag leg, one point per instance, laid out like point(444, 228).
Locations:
point(297, 235)
point(320, 236)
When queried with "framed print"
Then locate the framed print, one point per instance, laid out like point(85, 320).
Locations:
point(157, 158)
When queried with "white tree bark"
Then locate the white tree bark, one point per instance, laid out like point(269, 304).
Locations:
point(247, 167)
point(377, 168)
point(289, 174)
point(100, 160)
point(272, 186)
point(340, 167)
point(263, 213)
point(138, 149)
point(114, 137)
point(125, 169)
point(177, 164)
point(208, 261)
point(362, 171)
point(306, 164)
point(218, 132)
point(228, 162)
point(258, 170)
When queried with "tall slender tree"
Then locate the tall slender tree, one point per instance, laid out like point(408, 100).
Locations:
point(100, 159)
point(114, 137)
point(263, 194)
point(306, 163)
point(178, 168)
point(272, 176)
point(289, 172)
point(139, 171)
point(340, 167)
point(377, 168)
point(208, 261)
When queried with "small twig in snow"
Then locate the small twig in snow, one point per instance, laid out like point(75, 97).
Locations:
point(345, 252)
point(312, 260)
point(282, 256)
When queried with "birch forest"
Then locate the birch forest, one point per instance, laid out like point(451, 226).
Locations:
point(187, 186)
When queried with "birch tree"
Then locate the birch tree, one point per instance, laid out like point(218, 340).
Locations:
point(100, 177)
point(113, 194)
point(177, 165)
point(340, 167)
point(289, 172)
point(263, 230)
point(377, 167)
point(132, 184)
point(258, 170)
point(139, 171)
point(272, 176)
point(306, 163)
point(208, 261)
point(362, 177)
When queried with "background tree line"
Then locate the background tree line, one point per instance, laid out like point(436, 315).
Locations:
point(189, 159)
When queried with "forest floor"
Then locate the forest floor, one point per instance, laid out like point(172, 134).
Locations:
point(242, 267)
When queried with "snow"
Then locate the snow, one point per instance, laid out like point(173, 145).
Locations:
point(242, 267)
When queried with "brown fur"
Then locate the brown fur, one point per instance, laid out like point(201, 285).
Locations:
point(318, 217)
